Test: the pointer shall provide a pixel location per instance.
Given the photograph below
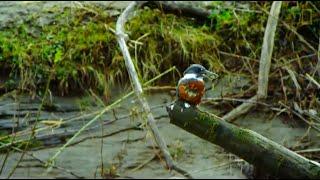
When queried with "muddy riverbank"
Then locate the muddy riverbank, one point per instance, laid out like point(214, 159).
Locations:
point(127, 148)
point(118, 144)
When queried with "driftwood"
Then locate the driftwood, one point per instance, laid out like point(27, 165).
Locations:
point(267, 48)
point(121, 38)
point(180, 9)
point(241, 109)
point(249, 145)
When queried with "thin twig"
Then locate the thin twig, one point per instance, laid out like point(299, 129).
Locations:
point(308, 150)
point(318, 63)
point(205, 100)
point(292, 29)
point(299, 110)
point(20, 159)
point(106, 135)
point(33, 127)
point(111, 106)
point(145, 163)
point(313, 80)
point(101, 147)
point(25, 132)
point(5, 161)
point(43, 162)
point(301, 117)
point(295, 81)
point(238, 56)
point(70, 133)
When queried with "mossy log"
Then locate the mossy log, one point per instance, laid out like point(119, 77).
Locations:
point(249, 145)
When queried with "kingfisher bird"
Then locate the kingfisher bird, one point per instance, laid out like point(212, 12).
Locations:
point(191, 87)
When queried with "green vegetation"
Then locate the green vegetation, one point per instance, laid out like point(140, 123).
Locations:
point(31, 143)
point(78, 50)
point(177, 150)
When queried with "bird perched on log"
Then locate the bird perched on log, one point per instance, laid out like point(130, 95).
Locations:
point(191, 87)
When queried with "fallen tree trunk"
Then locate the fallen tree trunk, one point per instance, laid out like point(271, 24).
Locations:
point(180, 9)
point(249, 145)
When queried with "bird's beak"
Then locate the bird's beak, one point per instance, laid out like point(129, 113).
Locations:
point(211, 75)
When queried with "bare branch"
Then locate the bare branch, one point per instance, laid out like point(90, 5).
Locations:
point(265, 63)
point(267, 47)
point(242, 109)
point(121, 37)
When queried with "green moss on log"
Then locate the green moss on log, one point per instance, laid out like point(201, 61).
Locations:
point(252, 147)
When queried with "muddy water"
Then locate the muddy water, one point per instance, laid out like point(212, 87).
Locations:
point(126, 150)
point(129, 149)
